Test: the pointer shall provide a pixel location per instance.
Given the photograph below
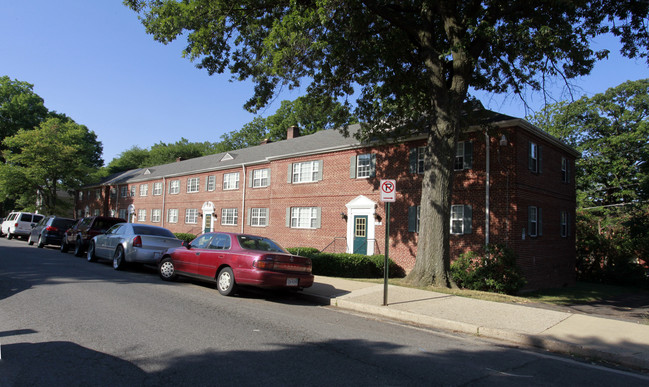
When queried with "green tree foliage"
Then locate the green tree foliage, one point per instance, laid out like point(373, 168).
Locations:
point(410, 62)
point(132, 158)
point(20, 108)
point(611, 131)
point(493, 271)
point(57, 155)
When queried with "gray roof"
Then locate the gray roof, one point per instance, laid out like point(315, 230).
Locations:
point(324, 141)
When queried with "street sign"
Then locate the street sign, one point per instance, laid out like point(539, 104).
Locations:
point(388, 190)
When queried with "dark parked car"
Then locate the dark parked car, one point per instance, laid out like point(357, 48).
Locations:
point(231, 259)
point(49, 231)
point(84, 230)
point(128, 242)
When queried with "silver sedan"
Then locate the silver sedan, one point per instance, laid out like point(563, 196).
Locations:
point(128, 242)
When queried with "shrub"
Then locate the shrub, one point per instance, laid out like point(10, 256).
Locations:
point(185, 237)
point(347, 265)
point(493, 271)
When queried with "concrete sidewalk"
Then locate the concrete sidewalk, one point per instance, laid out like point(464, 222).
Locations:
point(616, 341)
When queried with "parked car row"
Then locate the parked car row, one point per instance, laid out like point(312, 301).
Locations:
point(19, 224)
point(229, 260)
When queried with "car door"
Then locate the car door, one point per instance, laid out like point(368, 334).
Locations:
point(186, 260)
point(116, 237)
point(102, 249)
point(216, 253)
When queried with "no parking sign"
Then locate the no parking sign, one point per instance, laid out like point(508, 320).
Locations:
point(388, 190)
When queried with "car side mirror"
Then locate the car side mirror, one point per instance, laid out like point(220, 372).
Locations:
point(187, 245)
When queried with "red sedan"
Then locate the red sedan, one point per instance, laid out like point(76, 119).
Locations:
point(231, 259)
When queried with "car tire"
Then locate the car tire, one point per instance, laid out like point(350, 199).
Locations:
point(167, 269)
point(225, 282)
point(119, 261)
point(29, 240)
point(90, 255)
point(64, 245)
point(10, 236)
point(40, 244)
point(78, 248)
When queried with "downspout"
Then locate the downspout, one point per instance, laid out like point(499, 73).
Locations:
point(487, 187)
point(244, 183)
point(164, 196)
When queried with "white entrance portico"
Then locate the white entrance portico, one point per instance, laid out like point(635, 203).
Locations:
point(208, 216)
point(360, 225)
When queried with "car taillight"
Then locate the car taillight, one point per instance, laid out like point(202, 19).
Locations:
point(51, 229)
point(264, 265)
point(137, 241)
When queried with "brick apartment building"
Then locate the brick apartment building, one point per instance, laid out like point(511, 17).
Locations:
point(513, 186)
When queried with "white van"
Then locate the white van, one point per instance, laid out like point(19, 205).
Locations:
point(20, 224)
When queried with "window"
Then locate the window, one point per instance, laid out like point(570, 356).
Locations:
point(534, 221)
point(124, 191)
point(461, 219)
point(192, 184)
point(463, 155)
point(172, 215)
point(306, 172)
point(258, 217)
point(95, 212)
point(413, 218)
point(113, 192)
point(231, 181)
point(157, 188)
point(304, 217)
point(174, 187)
point(98, 194)
point(80, 195)
point(144, 189)
point(260, 178)
point(155, 215)
point(565, 170)
point(191, 216)
point(220, 242)
point(564, 226)
point(133, 189)
point(229, 216)
point(122, 213)
point(417, 159)
point(211, 183)
point(534, 157)
point(362, 166)
point(141, 215)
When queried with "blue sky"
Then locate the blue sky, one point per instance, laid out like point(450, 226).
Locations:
point(93, 61)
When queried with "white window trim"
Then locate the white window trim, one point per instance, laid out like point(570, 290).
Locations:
point(311, 215)
point(155, 215)
point(229, 216)
point(172, 218)
point(141, 215)
point(311, 175)
point(193, 184)
point(258, 181)
point(366, 169)
point(210, 183)
point(157, 189)
point(191, 216)
point(174, 187)
point(227, 177)
point(144, 189)
point(256, 217)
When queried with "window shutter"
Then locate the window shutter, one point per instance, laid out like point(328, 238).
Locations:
point(539, 222)
point(318, 221)
point(249, 212)
point(250, 178)
point(289, 177)
point(413, 160)
point(352, 167)
point(530, 160)
point(468, 155)
point(269, 177)
point(373, 165)
point(529, 220)
point(412, 219)
point(319, 176)
point(468, 219)
point(539, 155)
point(288, 217)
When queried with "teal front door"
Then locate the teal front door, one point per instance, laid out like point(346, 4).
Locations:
point(360, 234)
point(208, 223)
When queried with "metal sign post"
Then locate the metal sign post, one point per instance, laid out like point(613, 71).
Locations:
point(388, 195)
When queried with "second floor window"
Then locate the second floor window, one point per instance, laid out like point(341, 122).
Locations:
point(231, 181)
point(157, 188)
point(534, 157)
point(565, 170)
point(260, 178)
point(362, 166)
point(174, 187)
point(211, 183)
point(144, 189)
point(463, 155)
point(534, 221)
point(305, 172)
point(192, 184)
point(124, 191)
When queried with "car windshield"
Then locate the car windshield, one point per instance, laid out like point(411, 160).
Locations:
point(143, 230)
point(250, 242)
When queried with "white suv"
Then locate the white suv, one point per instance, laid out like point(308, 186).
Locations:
point(20, 224)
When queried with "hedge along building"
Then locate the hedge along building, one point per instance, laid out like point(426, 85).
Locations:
point(512, 185)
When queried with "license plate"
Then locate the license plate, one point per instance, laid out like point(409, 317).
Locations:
point(291, 282)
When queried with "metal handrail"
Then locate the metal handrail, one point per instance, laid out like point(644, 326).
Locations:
point(333, 242)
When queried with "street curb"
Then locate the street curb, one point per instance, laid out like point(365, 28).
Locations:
point(534, 341)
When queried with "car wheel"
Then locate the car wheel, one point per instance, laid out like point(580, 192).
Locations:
point(40, 243)
point(166, 269)
point(78, 248)
point(29, 240)
point(225, 282)
point(118, 258)
point(90, 256)
point(9, 236)
point(64, 246)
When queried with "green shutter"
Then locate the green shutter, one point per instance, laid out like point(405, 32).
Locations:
point(318, 222)
point(412, 219)
point(319, 175)
point(288, 217)
point(352, 167)
point(289, 177)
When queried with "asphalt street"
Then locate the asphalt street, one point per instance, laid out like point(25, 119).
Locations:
point(65, 321)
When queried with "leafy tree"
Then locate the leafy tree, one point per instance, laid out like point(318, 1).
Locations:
point(132, 158)
point(57, 155)
point(162, 153)
point(251, 134)
point(611, 131)
point(20, 108)
point(413, 62)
